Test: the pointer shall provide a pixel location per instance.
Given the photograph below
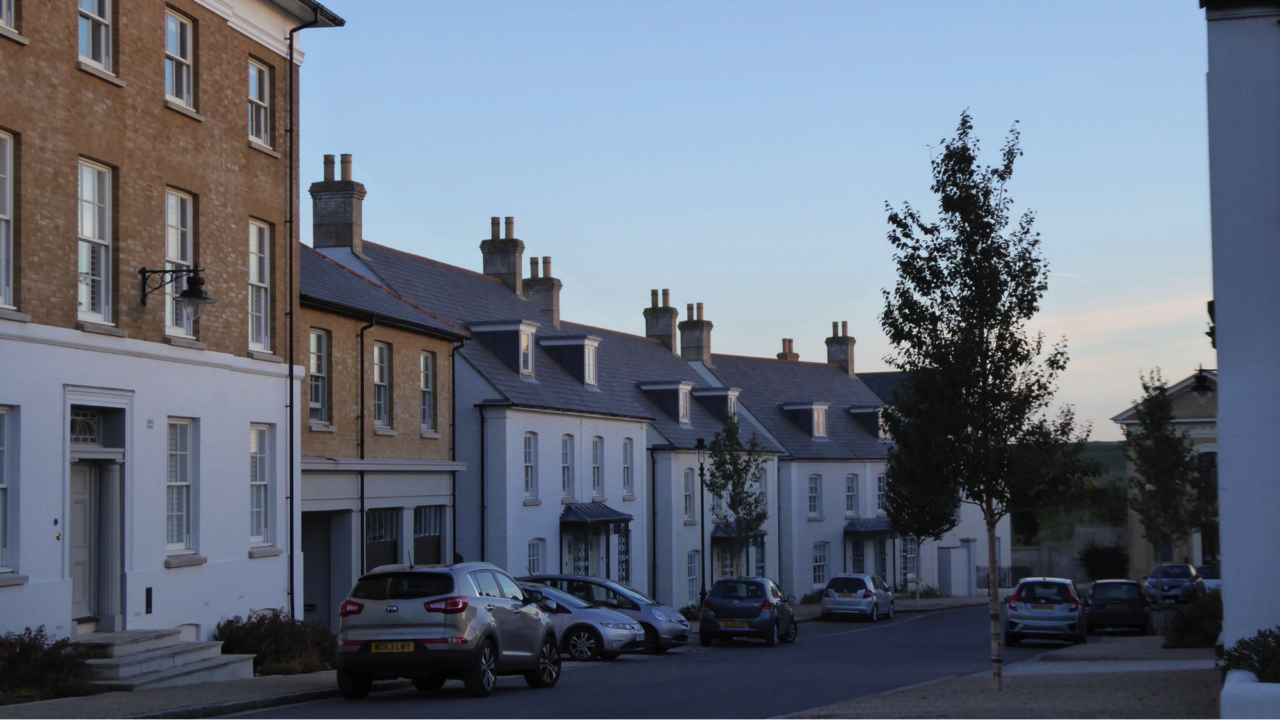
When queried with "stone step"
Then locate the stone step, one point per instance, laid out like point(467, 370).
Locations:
point(134, 664)
point(128, 642)
point(215, 669)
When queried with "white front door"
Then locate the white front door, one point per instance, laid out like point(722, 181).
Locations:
point(82, 534)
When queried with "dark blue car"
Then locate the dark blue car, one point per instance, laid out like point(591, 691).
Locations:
point(747, 608)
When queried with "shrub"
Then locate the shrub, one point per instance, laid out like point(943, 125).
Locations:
point(1259, 654)
point(34, 666)
point(929, 591)
point(1105, 563)
point(280, 644)
point(691, 612)
point(812, 598)
point(1197, 624)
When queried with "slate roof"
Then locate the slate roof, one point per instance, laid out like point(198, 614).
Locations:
point(768, 384)
point(868, 525)
point(883, 384)
point(333, 287)
point(591, 513)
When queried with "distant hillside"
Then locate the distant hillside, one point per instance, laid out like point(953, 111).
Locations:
point(1112, 458)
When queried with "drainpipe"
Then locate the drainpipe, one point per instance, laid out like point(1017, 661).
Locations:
point(653, 529)
point(453, 447)
point(360, 443)
point(483, 507)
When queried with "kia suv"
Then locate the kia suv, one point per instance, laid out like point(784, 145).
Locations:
point(468, 621)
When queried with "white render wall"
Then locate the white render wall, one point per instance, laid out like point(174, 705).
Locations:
point(224, 394)
point(1244, 170)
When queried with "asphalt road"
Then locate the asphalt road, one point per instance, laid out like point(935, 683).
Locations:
point(828, 663)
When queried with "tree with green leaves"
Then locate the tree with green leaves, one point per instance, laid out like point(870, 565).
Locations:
point(1166, 488)
point(735, 479)
point(971, 421)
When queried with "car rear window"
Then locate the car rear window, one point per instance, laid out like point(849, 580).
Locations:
point(1044, 593)
point(1116, 591)
point(847, 585)
point(738, 590)
point(403, 586)
point(1210, 572)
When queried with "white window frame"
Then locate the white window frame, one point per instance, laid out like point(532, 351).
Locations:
point(531, 465)
point(815, 495)
point(566, 465)
point(179, 485)
point(628, 488)
point(589, 364)
point(179, 255)
point(693, 566)
point(851, 506)
point(95, 244)
point(5, 484)
point(382, 372)
point(179, 59)
point(731, 407)
point(259, 103)
point(684, 406)
point(910, 557)
point(689, 509)
point(819, 422)
point(526, 353)
point(821, 556)
point(259, 286)
point(6, 213)
point(882, 490)
point(537, 556)
point(98, 25)
point(261, 470)
point(318, 375)
point(427, 386)
point(8, 19)
point(597, 466)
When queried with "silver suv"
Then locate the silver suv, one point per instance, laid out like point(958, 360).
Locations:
point(469, 621)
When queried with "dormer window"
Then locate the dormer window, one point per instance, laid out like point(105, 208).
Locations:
point(684, 406)
point(672, 397)
point(577, 354)
point(819, 422)
point(526, 353)
point(589, 364)
point(512, 341)
point(811, 416)
point(731, 406)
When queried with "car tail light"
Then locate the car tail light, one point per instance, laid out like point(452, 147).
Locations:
point(448, 606)
point(1075, 605)
point(706, 604)
point(350, 643)
point(1146, 601)
point(350, 607)
point(1013, 602)
point(446, 641)
point(766, 605)
point(868, 594)
point(1091, 587)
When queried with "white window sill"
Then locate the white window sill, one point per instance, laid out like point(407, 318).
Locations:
point(14, 315)
point(690, 521)
point(384, 431)
point(816, 518)
point(189, 559)
point(628, 498)
point(851, 514)
point(9, 578)
point(321, 427)
point(183, 110)
point(99, 328)
point(531, 502)
point(881, 514)
point(432, 434)
point(13, 35)
point(569, 500)
point(185, 342)
point(262, 551)
point(599, 499)
point(263, 149)
point(264, 355)
point(99, 73)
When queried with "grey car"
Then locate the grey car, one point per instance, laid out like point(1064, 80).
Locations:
point(664, 628)
point(858, 595)
point(747, 608)
point(1172, 583)
point(469, 621)
point(587, 632)
point(1044, 609)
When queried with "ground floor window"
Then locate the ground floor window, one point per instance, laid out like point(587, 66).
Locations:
point(537, 552)
point(381, 537)
point(910, 549)
point(693, 565)
point(820, 563)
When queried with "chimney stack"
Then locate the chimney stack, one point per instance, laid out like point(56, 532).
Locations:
point(543, 292)
point(660, 320)
point(695, 337)
point(503, 257)
point(337, 209)
point(788, 353)
point(840, 347)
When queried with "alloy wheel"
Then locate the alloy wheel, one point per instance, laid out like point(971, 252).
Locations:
point(582, 645)
point(486, 667)
point(549, 663)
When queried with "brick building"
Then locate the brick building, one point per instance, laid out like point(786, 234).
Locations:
point(148, 447)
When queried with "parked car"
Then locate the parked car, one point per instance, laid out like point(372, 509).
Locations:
point(664, 627)
point(750, 608)
point(1118, 604)
point(857, 595)
point(1172, 583)
point(469, 621)
point(1043, 608)
point(1211, 575)
point(584, 631)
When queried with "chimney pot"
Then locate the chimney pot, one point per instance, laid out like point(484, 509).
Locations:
point(511, 228)
point(844, 328)
point(840, 349)
point(546, 266)
point(346, 167)
point(695, 337)
point(533, 268)
point(328, 168)
point(699, 312)
point(835, 329)
point(689, 311)
point(494, 233)
point(337, 209)
point(653, 298)
point(784, 344)
point(504, 259)
point(666, 298)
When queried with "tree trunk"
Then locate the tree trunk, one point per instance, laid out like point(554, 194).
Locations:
point(993, 588)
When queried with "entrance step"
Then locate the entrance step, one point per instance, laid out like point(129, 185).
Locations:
point(219, 668)
point(143, 663)
point(128, 642)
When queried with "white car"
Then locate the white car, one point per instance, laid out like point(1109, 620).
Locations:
point(1212, 576)
point(858, 595)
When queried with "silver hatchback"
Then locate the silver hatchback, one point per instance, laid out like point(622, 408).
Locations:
point(1044, 608)
point(858, 595)
point(469, 621)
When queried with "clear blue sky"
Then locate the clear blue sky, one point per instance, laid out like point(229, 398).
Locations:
point(741, 154)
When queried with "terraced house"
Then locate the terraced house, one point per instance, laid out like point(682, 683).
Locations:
point(148, 451)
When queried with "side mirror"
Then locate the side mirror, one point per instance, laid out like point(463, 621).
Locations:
point(791, 598)
point(533, 597)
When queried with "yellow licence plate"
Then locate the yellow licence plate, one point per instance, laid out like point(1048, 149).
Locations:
point(734, 624)
point(847, 595)
point(393, 647)
point(1043, 607)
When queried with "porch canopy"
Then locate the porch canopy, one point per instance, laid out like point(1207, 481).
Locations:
point(868, 526)
point(586, 515)
point(725, 530)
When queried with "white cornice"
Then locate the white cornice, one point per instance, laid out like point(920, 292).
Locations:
point(276, 40)
point(312, 464)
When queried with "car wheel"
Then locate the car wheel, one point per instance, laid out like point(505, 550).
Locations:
point(547, 674)
point(826, 617)
point(875, 613)
point(793, 631)
point(353, 686)
point(430, 683)
point(651, 643)
point(704, 639)
point(582, 644)
point(771, 635)
point(482, 676)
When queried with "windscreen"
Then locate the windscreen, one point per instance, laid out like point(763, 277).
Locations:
point(565, 599)
point(1210, 572)
point(1175, 572)
point(737, 590)
point(1104, 592)
point(1044, 593)
point(847, 585)
point(403, 586)
point(635, 595)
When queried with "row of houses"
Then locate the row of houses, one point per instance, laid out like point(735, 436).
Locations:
point(193, 427)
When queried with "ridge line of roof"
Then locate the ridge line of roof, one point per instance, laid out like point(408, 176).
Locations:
point(774, 360)
point(380, 246)
point(611, 332)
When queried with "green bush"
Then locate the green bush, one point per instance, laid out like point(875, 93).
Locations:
point(280, 644)
point(1259, 654)
point(1105, 563)
point(812, 598)
point(1198, 623)
point(691, 612)
point(34, 666)
point(929, 591)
